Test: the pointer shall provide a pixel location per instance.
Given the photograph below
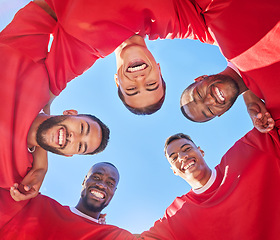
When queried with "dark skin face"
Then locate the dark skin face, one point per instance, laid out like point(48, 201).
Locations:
point(99, 187)
point(208, 98)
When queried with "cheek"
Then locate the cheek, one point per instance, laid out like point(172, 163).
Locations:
point(83, 193)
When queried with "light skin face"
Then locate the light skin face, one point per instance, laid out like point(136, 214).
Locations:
point(209, 97)
point(186, 160)
point(99, 187)
point(73, 135)
point(138, 74)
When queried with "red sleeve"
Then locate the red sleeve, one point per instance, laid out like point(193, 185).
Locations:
point(29, 32)
point(88, 30)
point(24, 87)
point(67, 59)
point(44, 218)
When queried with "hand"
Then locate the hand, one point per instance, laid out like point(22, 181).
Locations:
point(262, 119)
point(16, 193)
point(30, 185)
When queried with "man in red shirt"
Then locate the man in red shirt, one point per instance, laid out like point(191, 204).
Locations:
point(88, 30)
point(44, 218)
point(25, 91)
point(213, 95)
point(235, 200)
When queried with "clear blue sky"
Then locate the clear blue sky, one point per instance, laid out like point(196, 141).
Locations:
point(147, 185)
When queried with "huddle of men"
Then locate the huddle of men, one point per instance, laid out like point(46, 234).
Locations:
point(232, 201)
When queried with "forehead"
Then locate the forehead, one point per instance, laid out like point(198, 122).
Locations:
point(187, 95)
point(176, 145)
point(106, 170)
point(195, 111)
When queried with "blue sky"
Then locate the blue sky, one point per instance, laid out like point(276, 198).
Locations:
point(147, 185)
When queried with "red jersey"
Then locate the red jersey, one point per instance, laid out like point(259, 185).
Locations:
point(44, 218)
point(242, 203)
point(24, 87)
point(88, 30)
point(248, 34)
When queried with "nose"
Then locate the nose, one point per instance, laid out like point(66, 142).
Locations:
point(139, 77)
point(101, 185)
point(209, 100)
point(182, 156)
point(72, 137)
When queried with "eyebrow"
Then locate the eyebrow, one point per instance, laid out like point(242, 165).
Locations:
point(113, 179)
point(131, 94)
point(205, 115)
point(102, 174)
point(153, 89)
point(88, 130)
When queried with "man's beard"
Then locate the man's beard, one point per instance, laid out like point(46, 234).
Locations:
point(44, 127)
point(91, 208)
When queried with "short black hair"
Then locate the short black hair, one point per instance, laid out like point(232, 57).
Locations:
point(105, 133)
point(145, 110)
point(108, 163)
point(176, 137)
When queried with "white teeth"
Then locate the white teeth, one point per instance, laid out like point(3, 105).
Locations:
point(97, 194)
point(189, 165)
point(60, 137)
point(137, 68)
point(219, 94)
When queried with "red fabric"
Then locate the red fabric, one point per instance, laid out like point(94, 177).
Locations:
point(243, 202)
point(88, 30)
point(24, 87)
point(248, 33)
point(44, 218)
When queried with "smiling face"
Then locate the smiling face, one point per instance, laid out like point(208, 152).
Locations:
point(138, 76)
point(186, 160)
point(99, 187)
point(210, 97)
point(69, 135)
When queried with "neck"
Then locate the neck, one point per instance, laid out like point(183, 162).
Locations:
point(134, 40)
point(31, 137)
point(235, 76)
point(200, 180)
point(81, 208)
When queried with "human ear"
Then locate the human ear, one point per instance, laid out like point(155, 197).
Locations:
point(70, 112)
point(200, 78)
point(174, 171)
point(202, 152)
point(117, 80)
point(68, 155)
point(159, 67)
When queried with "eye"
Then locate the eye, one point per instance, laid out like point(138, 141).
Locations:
point(211, 111)
point(110, 184)
point(82, 128)
point(198, 93)
point(186, 149)
point(80, 146)
point(151, 84)
point(96, 177)
point(174, 159)
point(131, 88)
